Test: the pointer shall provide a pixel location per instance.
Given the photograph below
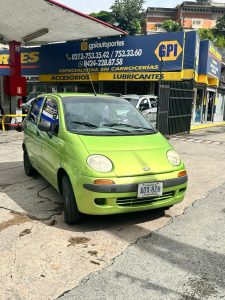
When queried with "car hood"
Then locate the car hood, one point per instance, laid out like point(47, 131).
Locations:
point(132, 155)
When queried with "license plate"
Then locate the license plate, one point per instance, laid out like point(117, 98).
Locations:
point(150, 189)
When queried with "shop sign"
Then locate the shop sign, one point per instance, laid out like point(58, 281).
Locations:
point(210, 60)
point(30, 61)
point(115, 54)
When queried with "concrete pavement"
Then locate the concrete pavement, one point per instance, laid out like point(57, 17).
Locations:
point(184, 260)
point(41, 257)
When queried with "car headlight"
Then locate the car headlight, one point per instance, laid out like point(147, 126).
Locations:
point(173, 157)
point(99, 163)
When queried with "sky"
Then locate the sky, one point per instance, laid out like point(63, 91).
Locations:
point(88, 6)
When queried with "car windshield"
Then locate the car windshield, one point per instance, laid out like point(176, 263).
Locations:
point(90, 115)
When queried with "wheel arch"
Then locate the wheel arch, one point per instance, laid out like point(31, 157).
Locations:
point(61, 173)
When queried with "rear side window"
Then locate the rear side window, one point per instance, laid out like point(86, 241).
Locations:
point(35, 110)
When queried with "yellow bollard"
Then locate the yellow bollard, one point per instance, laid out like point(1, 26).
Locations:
point(10, 116)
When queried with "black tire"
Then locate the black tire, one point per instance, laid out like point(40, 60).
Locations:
point(71, 213)
point(29, 170)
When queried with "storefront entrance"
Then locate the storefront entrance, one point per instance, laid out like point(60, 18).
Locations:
point(211, 106)
point(197, 108)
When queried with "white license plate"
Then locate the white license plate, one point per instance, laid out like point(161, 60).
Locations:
point(150, 189)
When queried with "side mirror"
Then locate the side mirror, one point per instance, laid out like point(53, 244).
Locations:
point(45, 126)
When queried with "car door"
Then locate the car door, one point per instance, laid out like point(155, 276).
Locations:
point(50, 142)
point(31, 131)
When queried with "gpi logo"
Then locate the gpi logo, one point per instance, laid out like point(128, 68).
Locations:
point(168, 50)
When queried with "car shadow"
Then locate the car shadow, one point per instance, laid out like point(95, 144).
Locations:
point(34, 197)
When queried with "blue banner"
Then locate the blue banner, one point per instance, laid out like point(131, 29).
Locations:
point(191, 54)
point(165, 52)
point(116, 54)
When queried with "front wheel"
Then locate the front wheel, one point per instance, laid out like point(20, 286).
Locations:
point(29, 170)
point(71, 213)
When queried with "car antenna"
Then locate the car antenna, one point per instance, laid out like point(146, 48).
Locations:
point(89, 75)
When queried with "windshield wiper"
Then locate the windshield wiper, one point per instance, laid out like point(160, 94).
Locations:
point(86, 124)
point(128, 125)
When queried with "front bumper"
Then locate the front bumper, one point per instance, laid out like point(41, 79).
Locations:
point(129, 188)
point(121, 197)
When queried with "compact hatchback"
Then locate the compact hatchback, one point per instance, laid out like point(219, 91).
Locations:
point(102, 154)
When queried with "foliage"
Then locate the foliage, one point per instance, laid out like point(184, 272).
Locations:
point(220, 41)
point(128, 15)
point(206, 34)
point(171, 26)
point(220, 25)
point(104, 16)
point(217, 37)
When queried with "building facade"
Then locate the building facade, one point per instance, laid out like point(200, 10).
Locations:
point(127, 65)
point(191, 15)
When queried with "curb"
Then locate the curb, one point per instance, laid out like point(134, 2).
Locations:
point(202, 126)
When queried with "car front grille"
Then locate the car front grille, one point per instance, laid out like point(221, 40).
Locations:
point(134, 201)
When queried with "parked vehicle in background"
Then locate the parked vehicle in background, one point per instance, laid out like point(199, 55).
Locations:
point(101, 154)
point(147, 104)
point(26, 106)
point(114, 94)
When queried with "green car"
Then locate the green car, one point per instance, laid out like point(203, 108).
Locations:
point(101, 154)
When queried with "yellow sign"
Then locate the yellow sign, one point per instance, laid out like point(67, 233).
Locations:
point(68, 77)
point(216, 53)
point(26, 58)
point(168, 50)
point(140, 76)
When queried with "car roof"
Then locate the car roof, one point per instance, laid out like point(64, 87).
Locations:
point(78, 96)
point(63, 95)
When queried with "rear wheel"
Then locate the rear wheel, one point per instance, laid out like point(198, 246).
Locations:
point(71, 213)
point(29, 170)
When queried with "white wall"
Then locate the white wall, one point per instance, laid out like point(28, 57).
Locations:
point(220, 107)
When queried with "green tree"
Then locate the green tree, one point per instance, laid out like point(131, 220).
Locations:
point(213, 35)
point(128, 15)
point(104, 16)
point(220, 41)
point(206, 34)
point(171, 26)
point(220, 25)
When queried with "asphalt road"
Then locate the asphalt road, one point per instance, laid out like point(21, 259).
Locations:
point(184, 260)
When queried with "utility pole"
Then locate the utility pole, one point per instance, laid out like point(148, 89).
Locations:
point(159, 84)
point(160, 71)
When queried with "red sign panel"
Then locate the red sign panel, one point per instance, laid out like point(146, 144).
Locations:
point(15, 85)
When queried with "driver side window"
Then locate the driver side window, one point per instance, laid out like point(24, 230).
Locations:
point(50, 113)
